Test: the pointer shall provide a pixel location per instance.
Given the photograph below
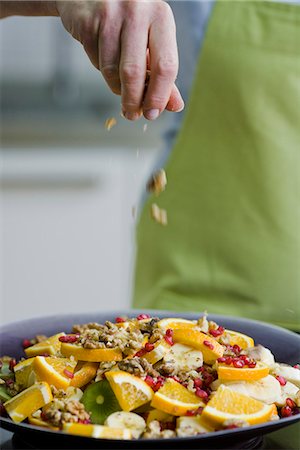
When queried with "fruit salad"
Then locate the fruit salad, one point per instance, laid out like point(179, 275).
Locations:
point(145, 377)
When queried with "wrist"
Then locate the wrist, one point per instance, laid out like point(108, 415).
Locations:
point(27, 8)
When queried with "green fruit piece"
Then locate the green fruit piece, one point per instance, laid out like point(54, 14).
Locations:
point(4, 396)
point(100, 401)
point(5, 373)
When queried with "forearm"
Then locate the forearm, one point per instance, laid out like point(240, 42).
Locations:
point(27, 8)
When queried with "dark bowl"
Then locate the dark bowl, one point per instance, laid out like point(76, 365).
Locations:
point(284, 344)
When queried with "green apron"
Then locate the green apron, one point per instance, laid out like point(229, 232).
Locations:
point(232, 244)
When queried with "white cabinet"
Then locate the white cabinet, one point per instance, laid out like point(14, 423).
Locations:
point(67, 230)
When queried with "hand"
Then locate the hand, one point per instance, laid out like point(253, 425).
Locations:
point(124, 38)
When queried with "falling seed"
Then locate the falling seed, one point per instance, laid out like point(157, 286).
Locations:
point(145, 127)
point(159, 215)
point(157, 183)
point(110, 122)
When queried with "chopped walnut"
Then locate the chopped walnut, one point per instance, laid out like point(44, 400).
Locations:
point(159, 215)
point(109, 123)
point(156, 335)
point(157, 183)
point(138, 366)
point(154, 431)
point(62, 411)
point(104, 366)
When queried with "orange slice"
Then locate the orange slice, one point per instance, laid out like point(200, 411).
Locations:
point(50, 346)
point(161, 348)
point(242, 340)
point(24, 373)
point(227, 404)
point(97, 431)
point(28, 401)
point(84, 373)
point(173, 398)
point(156, 414)
point(90, 354)
point(209, 347)
point(175, 323)
point(231, 373)
point(131, 391)
point(56, 371)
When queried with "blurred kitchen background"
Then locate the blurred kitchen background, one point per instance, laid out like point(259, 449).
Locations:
point(68, 185)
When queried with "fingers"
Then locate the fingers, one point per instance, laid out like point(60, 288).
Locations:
point(109, 47)
point(175, 103)
point(133, 64)
point(163, 65)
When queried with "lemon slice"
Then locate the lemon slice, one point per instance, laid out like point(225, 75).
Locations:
point(28, 401)
point(175, 399)
point(227, 404)
point(131, 391)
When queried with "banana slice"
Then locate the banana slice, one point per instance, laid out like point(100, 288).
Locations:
point(290, 373)
point(261, 353)
point(290, 390)
point(267, 389)
point(191, 426)
point(184, 357)
point(128, 420)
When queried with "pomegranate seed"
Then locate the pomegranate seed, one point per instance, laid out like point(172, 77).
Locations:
point(149, 347)
point(2, 410)
point(141, 353)
point(84, 421)
point(9, 382)
point(12, 364)
point(143, 316)
point(198, 383)
point(289, 402)
point(201, 393)
point(208, 379)
point(286, 411)
point(236, 349)
point(251, 365)
point(26, 343)
point(159, 383)
point(231, 427)
point(217, 332)
point(150, 381)
point(281, 380)
point(191, 412)
point(68, 373)
point(238, 363)
point(297, 366)
point(229, 360)
point(120, 320)
point(69, 338)
point(222, 359)
point(208, 344)
point(169, 336)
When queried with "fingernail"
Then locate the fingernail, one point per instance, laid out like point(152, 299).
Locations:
point(131, 115)
point(151, 114)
